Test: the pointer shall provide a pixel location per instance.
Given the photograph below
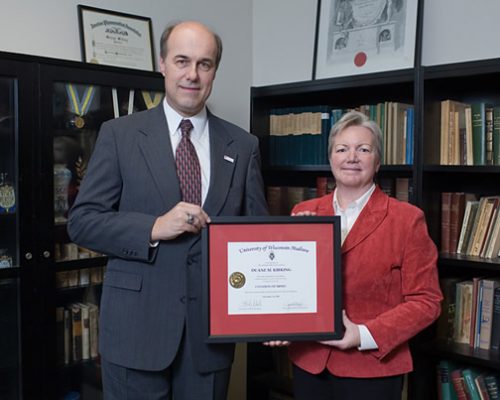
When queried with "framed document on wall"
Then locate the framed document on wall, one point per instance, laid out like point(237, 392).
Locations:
point(364, 36)
point(118, 39)
point(272, 278)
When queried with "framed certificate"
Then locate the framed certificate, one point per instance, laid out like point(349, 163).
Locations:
point(364, 36)
point(272, 278)
point(113, 38)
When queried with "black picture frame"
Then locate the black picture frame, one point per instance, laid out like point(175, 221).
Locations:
point(319, 233)
point(114, 38)
point(375, 37)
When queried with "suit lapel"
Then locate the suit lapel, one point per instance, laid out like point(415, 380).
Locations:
point(223, 159)
point(370, 218)
point(157, 150)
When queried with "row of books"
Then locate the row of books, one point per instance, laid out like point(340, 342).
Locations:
point(456, 382)
point(469, 134)
point(281, 199)
point(299, 135)
point(80, 277)
point(71, 251)
point(77, 332)
point(470, 226)
point(471, 312)
point(400, 188)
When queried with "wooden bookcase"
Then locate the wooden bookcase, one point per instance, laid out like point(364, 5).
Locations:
point(425, 88)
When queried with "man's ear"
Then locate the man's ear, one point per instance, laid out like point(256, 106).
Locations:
point(162, 66)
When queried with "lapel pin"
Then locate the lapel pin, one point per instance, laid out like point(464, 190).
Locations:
point(227, 158)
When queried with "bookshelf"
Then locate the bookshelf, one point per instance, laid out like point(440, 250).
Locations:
point(425, 88)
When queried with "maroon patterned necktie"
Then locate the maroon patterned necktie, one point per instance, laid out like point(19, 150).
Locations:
point(188, 166)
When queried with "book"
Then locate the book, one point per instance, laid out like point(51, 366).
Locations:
point(60, 334)
point(275, 200)
point(478, 111)
point(489, 135)
point(481, 387)
point(477, 299)
point(484, 221)
point(68, 337)
point(468, 136)
point(445, 221)
point(84, 309)
point(493, 243)
point(489, 287)
point(445, 385)
point(496, 135)
point(402, 188)
point(471, 208)
point(458, 382)
point(93, 330)
point(445, 323)
point(76, 331)
point(469, 375)
point(457, 209)
point(463, 312)
point(491, 382)
point(495, 323)
point(450, 143)
point(478, 308)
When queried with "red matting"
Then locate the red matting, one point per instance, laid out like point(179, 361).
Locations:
point(223, 324)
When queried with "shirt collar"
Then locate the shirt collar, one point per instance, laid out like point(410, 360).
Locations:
point(358, 203)
point(199, 120)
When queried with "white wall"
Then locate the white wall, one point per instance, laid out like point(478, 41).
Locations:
point(283, 41)
point(50, 28)
point(454, 31)
point(460, 30)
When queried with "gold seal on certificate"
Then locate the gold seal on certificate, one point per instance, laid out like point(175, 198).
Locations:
point(237, 280)
point(79, 122)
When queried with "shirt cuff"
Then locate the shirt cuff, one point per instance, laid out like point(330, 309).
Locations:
point(366, 339)
point(154, 244)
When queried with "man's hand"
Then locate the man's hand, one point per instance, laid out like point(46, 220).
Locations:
point(184, 217)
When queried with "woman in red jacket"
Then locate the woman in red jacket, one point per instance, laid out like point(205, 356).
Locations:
point(390, 279)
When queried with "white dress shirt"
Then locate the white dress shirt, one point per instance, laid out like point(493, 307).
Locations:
point(199, 137)
point(348, 217)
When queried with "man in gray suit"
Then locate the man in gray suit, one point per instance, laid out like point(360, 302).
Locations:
point(130, 207)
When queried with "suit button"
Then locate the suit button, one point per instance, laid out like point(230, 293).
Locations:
point(183, 299)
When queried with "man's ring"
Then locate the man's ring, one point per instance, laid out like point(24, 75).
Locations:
point(190, 219)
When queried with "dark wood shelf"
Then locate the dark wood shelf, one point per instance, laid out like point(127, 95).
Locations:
point(463, 353)
point(9, 273)
point(460, 169)
point(81, 263)
point(471, 262)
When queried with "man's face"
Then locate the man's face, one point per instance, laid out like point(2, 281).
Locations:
point(189, 68)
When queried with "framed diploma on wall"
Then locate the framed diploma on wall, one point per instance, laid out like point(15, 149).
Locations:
point(118, 39)
point(272, 278)
point(364, 36)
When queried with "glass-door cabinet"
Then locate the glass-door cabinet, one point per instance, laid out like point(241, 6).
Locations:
point(16, 246)
point(50, 288)
point(75, 100)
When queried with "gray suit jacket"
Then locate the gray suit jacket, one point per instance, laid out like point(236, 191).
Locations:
point(150, 295)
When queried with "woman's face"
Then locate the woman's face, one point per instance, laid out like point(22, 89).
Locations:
point(354, 159)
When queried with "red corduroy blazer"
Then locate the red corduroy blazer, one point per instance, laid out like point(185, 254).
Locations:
point(390, 284)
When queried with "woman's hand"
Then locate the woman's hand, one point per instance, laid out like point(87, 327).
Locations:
point(351, 336)
point(277, 343)
point(304, 214)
